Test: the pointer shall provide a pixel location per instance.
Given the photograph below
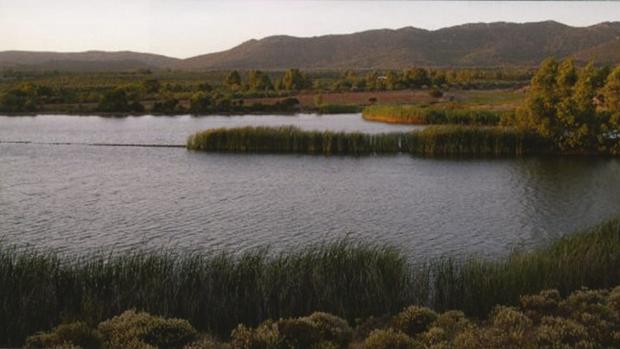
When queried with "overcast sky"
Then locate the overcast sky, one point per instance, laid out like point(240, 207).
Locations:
point(183, 28)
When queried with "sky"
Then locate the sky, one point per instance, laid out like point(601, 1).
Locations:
point(185, 28)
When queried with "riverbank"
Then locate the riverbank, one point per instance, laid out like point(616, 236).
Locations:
point(217, 291)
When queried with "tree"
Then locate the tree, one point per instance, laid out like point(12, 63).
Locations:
point(539, 111)
point(294, 80)
point(19, 100)
point(200, 102)
point(205, 87)
point(611, 95)
point(151, 85)
point(233, 80)
point(259, 81)
point(394, 81)
point(114, 101)
point(611, 91)
point(577, 112)
point(417, 77)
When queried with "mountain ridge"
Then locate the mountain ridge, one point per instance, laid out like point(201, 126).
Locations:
point(466, 45)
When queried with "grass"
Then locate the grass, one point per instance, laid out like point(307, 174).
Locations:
point(215, 292)
point(419, 115)
point(433, 141)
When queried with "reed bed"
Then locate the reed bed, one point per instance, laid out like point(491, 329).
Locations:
point(215, 292)
point(425, 115)
point(432, 141)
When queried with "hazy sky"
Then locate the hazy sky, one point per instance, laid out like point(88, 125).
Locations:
point(183, 28)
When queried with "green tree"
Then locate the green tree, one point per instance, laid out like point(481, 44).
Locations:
point(417, 77)
point(539, 111)
point(114, 101)
point(294, 80)
point(611, 91)
point(200, 102)
point(19, 100)
point(259, 81)
point(233, 80)
point(151, 85)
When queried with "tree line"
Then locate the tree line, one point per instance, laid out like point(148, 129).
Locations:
point(578, 109)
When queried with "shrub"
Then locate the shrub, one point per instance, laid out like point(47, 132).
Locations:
point(75, 333)
point(332, 328)
point(614, 300)
point(536, 306)
point(509, 328)
point(559, 333)
point(265, 336)
point(138, 329)
point(206, 342)
point(299, 333)
point(452, 322)
point(414, 320)
point(390, 339)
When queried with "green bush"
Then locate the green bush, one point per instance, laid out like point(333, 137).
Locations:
point(299, 333)
point(75, 333)
point(614, 300)
point(265, 336)
point(542, 304)
point(133, 328)
point(390, 339)
point(414, 320)
point(557, 333)
point(332, 328)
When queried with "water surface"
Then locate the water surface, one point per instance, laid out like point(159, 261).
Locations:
point(78, 198)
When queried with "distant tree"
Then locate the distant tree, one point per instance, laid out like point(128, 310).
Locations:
point(259, 81)
point(294, 80)
point(205, 87)
point(21, 99)
point(417, 77)
point(200, 102)
point(394, 81)
point(151, 85)
point(169, 105)
point(233, 80)
point(114, 101)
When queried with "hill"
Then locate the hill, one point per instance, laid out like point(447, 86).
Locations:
point(468, 45)
point(479, 44)
point(83, 61)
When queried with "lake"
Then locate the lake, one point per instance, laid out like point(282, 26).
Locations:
point(78, 199)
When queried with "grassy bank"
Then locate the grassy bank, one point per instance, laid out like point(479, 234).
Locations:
point(433, 141)
point(426, 115)
point(215, 292)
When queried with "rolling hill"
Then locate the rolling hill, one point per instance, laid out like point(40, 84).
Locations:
point(84, 61)
point(479, 44)
point(468, 45)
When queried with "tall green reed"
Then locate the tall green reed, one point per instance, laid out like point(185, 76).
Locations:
point(432, 141)
point(215, 292)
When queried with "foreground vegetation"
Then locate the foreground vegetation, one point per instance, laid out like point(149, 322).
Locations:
point(216, 292)
point(584, 319)
point(432, 141)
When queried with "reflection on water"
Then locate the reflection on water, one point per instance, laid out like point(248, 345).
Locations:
point(77, 198)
